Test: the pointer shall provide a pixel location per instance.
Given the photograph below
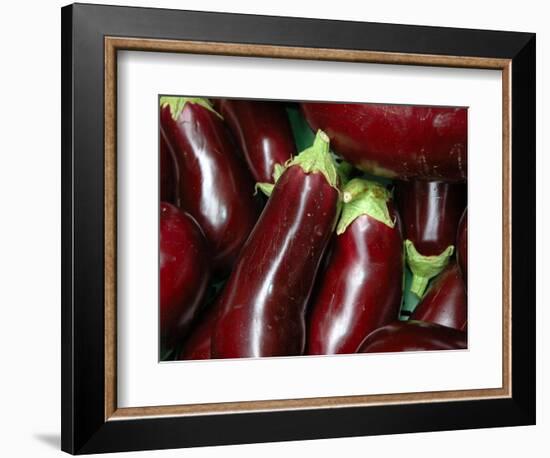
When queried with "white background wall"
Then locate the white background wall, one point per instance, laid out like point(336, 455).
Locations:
point(30, 226)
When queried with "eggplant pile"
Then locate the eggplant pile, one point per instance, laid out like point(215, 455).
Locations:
point(291, 229)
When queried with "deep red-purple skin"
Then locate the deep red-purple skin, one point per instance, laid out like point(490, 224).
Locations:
point(361, 288)
point(413, 336)
point(462, 245)
point(184, 271)
point(198, 343)
point(396, 141)
point(264, 301)
point(168, 173)
point(215, 186)
point(430, 211)
point(446, 302)
point(263, 132)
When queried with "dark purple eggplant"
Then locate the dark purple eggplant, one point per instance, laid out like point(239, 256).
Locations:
point(184, 272)
point(361, 288)
point(430, 211)
point(413, 336)
point(198, 343)
point(263, 303)
point(396, 141)
point(215, 186)
point(263, 132)
point(169, 190)
point(462, 245)
point(445, 302)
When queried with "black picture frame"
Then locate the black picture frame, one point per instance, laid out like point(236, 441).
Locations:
point(84, 427)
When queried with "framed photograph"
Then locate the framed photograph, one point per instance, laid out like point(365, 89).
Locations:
point(284, 228)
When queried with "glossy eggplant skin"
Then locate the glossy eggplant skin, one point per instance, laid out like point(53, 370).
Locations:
point(446, 302)
point(430, 211)
point(396, 141)
point(168, 173)
point(264, 300)
point(215, 186)
point(361, 288)
point(462, 245)
point(263, 132)
point(184, 272)
point(198, 343)
point(413, 336)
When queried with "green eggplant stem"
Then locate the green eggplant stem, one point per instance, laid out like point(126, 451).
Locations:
point(176, 104)
point(364, 197)
point(424, 268)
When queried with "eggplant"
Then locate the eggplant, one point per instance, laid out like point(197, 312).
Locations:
point(413, 336)
point(184, 272)
point(430, 211)
point(445, 302)
point(263, 132)
point(168, 173)
point(361, 288)
point(198, 343)
point(396, 141)
point(215, 186)
point(264, 301)
point(462, 245)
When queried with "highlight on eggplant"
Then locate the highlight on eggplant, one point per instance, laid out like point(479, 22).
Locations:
point(430, 212)
point(184, 265)
point(361, 287)
point(445, 301)
point(414, 336)
point(215, 186)
point(263, 132)
point(396, 141)
point(263, 304)
point(366, 226)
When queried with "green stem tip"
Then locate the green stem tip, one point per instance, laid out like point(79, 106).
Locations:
point(315, 159)
point(177, 104)
point(364, 197)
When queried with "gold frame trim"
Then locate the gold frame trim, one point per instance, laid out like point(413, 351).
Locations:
point(112, 45)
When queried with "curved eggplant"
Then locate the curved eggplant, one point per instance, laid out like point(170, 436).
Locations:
point(168, 173)
point(362, 286)
point(215, 187)
point(430, 211)
point(184, 272)
point(396, 141)
point(264, 301)
point(413, 336)
point(263, 132)
point(462, 245)
point(446, 302)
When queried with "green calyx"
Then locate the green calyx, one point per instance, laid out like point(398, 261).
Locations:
point(424, 268)
point(267, 188)
point(344, 170)
point(177, 104)
point(364, 197)
point(315, 159)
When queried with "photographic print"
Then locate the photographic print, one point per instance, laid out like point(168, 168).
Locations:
point(293, 228)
